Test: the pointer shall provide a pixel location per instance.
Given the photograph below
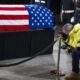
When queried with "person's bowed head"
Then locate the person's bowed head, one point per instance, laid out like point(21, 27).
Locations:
point(65, 36)
point(65, 31)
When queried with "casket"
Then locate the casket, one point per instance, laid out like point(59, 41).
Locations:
point(25, 30)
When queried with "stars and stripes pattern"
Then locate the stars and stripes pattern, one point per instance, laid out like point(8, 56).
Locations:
point(13, 17)
point(25, 17)
point(40, 17)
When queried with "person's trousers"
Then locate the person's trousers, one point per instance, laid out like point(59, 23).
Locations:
point(75, 59)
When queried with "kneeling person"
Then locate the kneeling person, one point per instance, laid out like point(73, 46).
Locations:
point(73, 40)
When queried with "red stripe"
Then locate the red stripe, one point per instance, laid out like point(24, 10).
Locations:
point(12, 8)
point(14, 28)
point(2, 28)
point(13, 17)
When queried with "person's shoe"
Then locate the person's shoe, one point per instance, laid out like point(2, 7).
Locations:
point(72, 76)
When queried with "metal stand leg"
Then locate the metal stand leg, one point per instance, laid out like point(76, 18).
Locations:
point(57, 72)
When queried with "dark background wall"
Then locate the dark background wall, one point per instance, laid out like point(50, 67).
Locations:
point(54, 5)
point(14, 1)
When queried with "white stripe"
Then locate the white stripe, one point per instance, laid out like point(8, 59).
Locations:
point(14, 22)
point(7, 12)
point(11, 5)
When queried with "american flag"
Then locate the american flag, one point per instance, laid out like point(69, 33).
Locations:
point(13, 17)
point(40, 17)
point(25, 17)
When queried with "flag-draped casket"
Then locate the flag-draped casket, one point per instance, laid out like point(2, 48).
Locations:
point(25, 17)
point(17, 39)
